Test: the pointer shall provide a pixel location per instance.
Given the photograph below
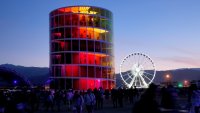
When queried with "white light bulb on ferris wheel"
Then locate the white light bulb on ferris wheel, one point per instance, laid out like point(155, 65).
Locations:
point(138, 70)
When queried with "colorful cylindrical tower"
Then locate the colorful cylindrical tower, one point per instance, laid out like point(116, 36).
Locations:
point(81, 48)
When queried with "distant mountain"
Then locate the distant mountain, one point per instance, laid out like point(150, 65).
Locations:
point(36, 75)
point(177, 75)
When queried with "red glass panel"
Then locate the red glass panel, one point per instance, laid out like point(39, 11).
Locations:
point(91, 84)
point(75, 19)
point(75, 71)
point(97, 83)
point(83, 83)
point(61, 20)
point(67, 45)
point(61, 11)
point(104, 84)
point(83, 71)
point(83, 58)
point(75, 32)
point(91, 58)
point(75, 84)
point(75, 57)
point(68, 71)
point(68, 20)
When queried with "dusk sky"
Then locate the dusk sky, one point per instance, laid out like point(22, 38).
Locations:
point(168, 31)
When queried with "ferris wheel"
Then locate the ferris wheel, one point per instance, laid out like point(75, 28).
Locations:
point(138, 70)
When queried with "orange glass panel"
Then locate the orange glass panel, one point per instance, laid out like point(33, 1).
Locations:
point(67, 10)
point(75, 9)
point(82, 19)
point(83, 32)
point(90, 33)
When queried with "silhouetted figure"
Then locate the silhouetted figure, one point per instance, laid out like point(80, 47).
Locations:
point(194, 98)
point(169, 96)
point(147, 102)
point(77, 102)
point(100, 97)
point(114, 97)
point(120, 95)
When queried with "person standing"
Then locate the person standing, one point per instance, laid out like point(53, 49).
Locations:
point(90, 101)
point(194, 99)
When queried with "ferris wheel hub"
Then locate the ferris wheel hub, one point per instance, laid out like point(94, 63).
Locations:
point(137, 69)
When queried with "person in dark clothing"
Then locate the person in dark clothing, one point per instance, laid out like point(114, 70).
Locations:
point(147, 103)
point(114, 97)
point(120, 95)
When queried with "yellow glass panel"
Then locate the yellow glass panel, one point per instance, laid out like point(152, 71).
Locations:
point(85, 10)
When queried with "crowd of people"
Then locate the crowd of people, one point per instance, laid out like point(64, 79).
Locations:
point(143, 100)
